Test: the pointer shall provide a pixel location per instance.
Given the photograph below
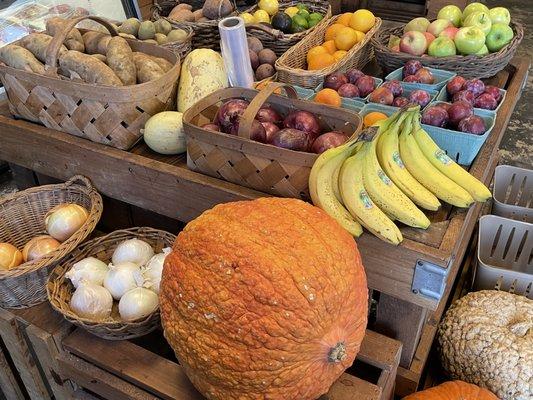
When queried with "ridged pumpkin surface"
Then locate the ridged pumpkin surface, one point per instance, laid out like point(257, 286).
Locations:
point(264, 299)
point(453, 390)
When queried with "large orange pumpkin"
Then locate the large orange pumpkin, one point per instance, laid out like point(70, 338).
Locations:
point(264, 299)
point(453, 390)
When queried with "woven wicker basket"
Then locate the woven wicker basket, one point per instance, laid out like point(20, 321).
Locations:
point(206, 34)
point(467, 66)
point(181, 49)
point(291, 65)
point(237, 159)
point(22, 218)
point(109, 115)
point(60, 289)
point(280, 42)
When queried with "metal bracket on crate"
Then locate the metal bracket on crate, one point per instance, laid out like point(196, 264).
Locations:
point(429, 279)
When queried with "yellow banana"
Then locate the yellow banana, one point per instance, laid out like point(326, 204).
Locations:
point(321, 187)
point(358, 202)
point(429, 176)
point(392, 164)
point(335, 183)
point(386, 194)
point(448, 167)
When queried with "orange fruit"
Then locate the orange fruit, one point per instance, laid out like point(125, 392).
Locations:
point(345, 38)
point(372, 117)
point(330, 46)
point(332, 30)
point(362, 20)
point(328, 96)
point(344, 19)
point(320, 61)
point(316, 51)
point(339, 54)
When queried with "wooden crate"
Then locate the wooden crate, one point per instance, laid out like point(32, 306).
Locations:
point(164, 185)
point(146, 368)
point(11, 386)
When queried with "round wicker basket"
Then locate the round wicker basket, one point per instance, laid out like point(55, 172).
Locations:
point(181, 49)
point(60, 289)
point(22, 217)
point(471, 66)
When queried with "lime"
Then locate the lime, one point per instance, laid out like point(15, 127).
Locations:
point(270, 6)
point(291, 11)
point(316, 16)
point(295, 28)
point(301, 6)
point(300, 21)
point(303, 13)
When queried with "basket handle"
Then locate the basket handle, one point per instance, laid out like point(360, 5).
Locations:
point(80, 178)
point(275, 33)
point(245, 124)
point(52, 51)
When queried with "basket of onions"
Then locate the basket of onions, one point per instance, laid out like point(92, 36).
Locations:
point(110, 285)
point(38, 227)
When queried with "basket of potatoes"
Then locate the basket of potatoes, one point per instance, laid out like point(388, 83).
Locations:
point(175, 37)
point(201, 16)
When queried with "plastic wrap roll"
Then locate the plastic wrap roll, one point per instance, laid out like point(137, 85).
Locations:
point(234, 49)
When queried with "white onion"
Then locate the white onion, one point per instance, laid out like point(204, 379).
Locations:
point(91, 301)
point(64, 220)
point(122, 277)
point(10, 256)
point(38, 247)
point(152, 271)
point(137, 303)
point(133, 250)
point(89, 269)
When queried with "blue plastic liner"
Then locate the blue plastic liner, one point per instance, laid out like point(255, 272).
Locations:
point(443, 96)
point(408, 90)
point(377, 83)
point(462, 147)
point(441, 78)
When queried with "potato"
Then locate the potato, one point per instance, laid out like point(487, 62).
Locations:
point(130, 26)
point(127, 35)
point(88, 68)
point(267, 56)
point(37, 43)
point(184, 6)
point(73, 41)
point(254, 44)
point(216, 9)
point(146, 30)
point(160, 38)
point(177, 35)
point(147, 69)
point(181, 15)
point(100, 57)
point(198, 14)
point(18, 57)
point(153, 41)
point(91, 39)
point(101, 47)
point(264, 71)
point(120, 59)
point(162, 26)
point(203, 19)
point(164, 64)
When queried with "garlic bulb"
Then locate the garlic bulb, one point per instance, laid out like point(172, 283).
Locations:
point(89, 269)
point(152, 271)
point(137, 303)
point(38, 247)
point(133, 250)
point(64, 220)
point(91, 301)
point(122, 277)
point(10, 256)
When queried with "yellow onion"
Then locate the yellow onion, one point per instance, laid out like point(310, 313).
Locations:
point(64, 220)
point(10, 256)
point(38, 247)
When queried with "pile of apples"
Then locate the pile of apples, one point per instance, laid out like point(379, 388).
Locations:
point(475, 30)
point(473, 91)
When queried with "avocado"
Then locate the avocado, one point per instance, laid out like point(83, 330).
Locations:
point(282, 22)
point(300, 21)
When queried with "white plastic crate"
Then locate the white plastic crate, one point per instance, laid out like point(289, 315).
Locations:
point(513, 193)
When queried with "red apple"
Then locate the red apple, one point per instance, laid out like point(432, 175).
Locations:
point(420, 97)
point(381, 95)
point(353, 75)
point(400, 101)
point(411, 67)
point(455, 85)
point(458, 111)
point(424, 75)
point(435, 116)
point(494, 92)
point(449, 32)
point(485, 101)
point(394, 86)
point(414, 43)
point(366, 85)
point(335, 80)
point(348, 90)
point(472, 124)
point(464, 95)
point(476, 86)
point(411, 78)
point(429, 37)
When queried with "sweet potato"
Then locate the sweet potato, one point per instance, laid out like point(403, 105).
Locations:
point(89, 68)
point(164, 64)
point(120, 59)
point(91, 39)
point(37, 43)
point(101, 47)
point(20, 58)
point(100, 57)
point(147, 68)
point(73, 41)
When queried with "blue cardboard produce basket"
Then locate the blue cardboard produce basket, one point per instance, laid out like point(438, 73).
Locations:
point(441, 79)
point(443, 96)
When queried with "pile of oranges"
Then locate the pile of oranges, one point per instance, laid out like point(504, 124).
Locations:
point(348, 30)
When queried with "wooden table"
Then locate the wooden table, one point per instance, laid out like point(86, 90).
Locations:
point(163, 184)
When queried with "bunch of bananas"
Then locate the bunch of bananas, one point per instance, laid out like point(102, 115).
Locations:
point(374, 181)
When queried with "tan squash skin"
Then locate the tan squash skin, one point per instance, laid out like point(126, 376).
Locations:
point(264, 299)
point(453, 390)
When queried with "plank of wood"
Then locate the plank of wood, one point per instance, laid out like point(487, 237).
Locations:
point(379, 351)
point(81, 394)
point(8, 382)
point(24, 178)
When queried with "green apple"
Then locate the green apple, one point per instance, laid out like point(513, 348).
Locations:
point(469, 40)
point(500, 15)
point(499, 36)
point(473, 7)
point(419, 24)
point(483, 52)
point(442, 47)
point(452, 13)
point(480, 19)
